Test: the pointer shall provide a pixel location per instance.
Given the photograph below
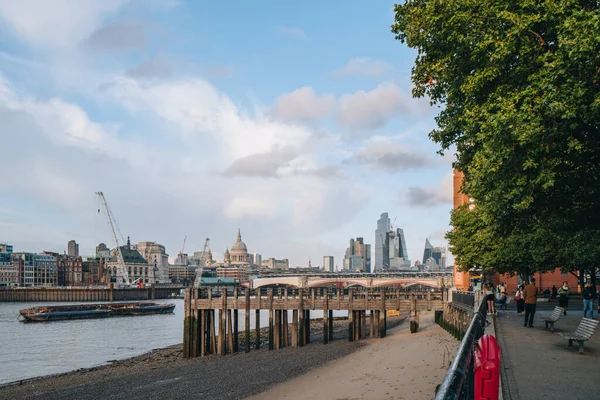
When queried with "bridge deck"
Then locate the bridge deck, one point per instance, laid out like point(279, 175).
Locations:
point(316, 299)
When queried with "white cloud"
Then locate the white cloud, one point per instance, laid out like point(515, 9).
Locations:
point(56, 23)
point(119, 35)
point(432, 196)
point(250, 206)
point(162, 192)
point(367, 67)
point(371, 110)
point(156, 67)
point(292, 31)
point(65, 124)
point(199, 109)
point(302, 105)
point(386, 154)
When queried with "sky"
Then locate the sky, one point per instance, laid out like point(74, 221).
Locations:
point(292, 121)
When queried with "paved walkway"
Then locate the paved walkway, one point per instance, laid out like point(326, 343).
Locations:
point(400, 366)
point(539, 365)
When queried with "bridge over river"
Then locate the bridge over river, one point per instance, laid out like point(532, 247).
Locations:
point(345, 280)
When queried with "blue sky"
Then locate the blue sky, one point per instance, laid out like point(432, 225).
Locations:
point(291, 121)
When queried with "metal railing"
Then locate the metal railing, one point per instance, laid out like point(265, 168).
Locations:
point(459, 380)
point(465, 299)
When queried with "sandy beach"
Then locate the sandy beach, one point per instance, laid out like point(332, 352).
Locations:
point(402, 366)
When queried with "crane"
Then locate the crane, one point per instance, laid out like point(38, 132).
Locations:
point(200, 269)
point(122, 275)
point(181, 258)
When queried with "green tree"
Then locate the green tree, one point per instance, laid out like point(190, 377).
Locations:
point(520, 86)
point(520, 82)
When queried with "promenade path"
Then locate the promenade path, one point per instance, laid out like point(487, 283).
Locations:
point(400, 366)
point(537, 364)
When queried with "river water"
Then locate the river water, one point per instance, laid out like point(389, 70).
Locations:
point(31, 350)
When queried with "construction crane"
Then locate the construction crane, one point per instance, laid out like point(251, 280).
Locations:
point(181, 258)
point(122, 275)
point(200, 269)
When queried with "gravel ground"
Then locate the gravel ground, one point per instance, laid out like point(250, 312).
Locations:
point(165, 374)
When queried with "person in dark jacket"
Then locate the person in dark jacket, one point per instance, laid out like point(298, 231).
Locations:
point(588, 299)
point(554, 294)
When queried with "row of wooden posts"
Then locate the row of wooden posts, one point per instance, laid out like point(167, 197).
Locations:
point(203, 334)
point(455, 319)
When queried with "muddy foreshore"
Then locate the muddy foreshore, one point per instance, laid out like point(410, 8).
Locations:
point(165, 374)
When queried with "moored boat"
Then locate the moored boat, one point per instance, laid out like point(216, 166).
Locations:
point(88, 311)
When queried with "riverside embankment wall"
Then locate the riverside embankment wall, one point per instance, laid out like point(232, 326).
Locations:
point(86, 294)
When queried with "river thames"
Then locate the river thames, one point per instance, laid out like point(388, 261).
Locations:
point(31, 350)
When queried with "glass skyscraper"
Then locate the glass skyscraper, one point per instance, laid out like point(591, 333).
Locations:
point(383, 227)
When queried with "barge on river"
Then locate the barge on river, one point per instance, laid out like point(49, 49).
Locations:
point(87, 311)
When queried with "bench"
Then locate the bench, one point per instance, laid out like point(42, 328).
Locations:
point(584, 331)
point(503, 306)
point(555, 316)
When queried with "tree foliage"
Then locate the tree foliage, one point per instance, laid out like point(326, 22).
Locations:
point(520, 85)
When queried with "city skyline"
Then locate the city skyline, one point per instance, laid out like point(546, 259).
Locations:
point(301, 141)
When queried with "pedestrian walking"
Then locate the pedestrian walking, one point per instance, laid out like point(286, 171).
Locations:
point(563, 296)
point(530, 293)
point(554, 293)
point(588, 299)
point(488, 291)
point(520, 300)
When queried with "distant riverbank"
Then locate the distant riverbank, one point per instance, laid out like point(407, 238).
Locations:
point(164, 373)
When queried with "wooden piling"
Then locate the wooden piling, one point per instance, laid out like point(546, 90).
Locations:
point(187, 340)
point(326, 317)
point(235, 322)
point(257, 320)
point(270, 305)
point(382, 313)
point(330, 321)
point(223, 323)
point(295, 328)
point(231, 332)
point(307, 327)
point(277, 330)
point(202, 332)
point(301, 315)
point(286, 338)
point(247, 320)
point(350, 316)
point(363, 318)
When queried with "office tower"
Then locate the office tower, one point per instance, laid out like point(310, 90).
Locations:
point(358, 256)
point(328, 264)
point(428, 252)
point(73, 249)
point(383, 227)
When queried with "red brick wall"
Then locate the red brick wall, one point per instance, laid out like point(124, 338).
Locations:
point(542, 281)
point(461, 279)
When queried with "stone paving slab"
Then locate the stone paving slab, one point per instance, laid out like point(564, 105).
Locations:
point(537, 364)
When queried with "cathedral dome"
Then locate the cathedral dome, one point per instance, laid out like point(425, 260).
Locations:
point(239, 246)
point(239, 252)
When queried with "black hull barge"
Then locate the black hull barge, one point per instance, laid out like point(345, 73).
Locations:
point(90, 311)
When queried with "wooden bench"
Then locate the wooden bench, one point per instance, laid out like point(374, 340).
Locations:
point(555, 316)
point(503, 306)
point(584, 331)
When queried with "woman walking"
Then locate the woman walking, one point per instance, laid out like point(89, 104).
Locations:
point(520, 300)
point(563, 296)
point(488, 291)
